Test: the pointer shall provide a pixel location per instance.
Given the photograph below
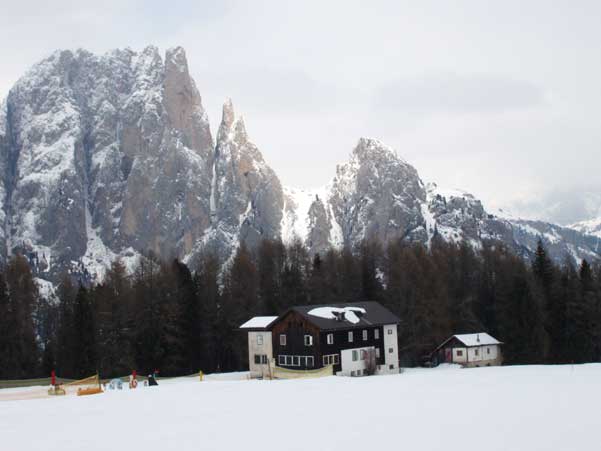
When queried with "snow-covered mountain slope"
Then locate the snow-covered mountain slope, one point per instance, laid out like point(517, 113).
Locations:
point(111, 156)
point(590, 227)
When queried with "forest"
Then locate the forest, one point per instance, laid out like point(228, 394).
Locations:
point(178, 320)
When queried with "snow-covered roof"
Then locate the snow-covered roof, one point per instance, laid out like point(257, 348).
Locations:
point(349, 313)
point(258, 322)
point(479, 339)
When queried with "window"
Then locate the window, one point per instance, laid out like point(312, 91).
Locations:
point(391, 367)
point(377, 353)
point(282, 340)
point(459, 353)
point(365, 335)
point(310, 362)
point(390, 331)
point(257, 359)
point(296, 360)
point(355, 356)
point(390, 350)
point(377, 334)
point(330, 339)
point(363, 354)
point(289, 360)
point(331, 359)
point(281, 360)
point(259, 339)
point(264, 359)
point(350, 336)
point(476, 352)
point(308, 340)
point(488, 350)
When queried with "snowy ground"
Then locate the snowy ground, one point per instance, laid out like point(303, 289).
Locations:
point(508, 408)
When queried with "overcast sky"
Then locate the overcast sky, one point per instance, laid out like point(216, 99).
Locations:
point(501, 99)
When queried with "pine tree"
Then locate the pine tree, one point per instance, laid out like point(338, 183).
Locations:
point(115, 322)
point(238, 303)
point(271, 261)
point(85, 346)
point(189, 312)
point(66, 339)
point(23, 294)
point(544, 273)
point(8, 338)
point(206, 280)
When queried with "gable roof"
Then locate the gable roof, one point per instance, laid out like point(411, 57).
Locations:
point(471, 340)
point(259, 323)
point(346, 316)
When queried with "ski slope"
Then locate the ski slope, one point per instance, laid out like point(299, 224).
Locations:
point(506, 408)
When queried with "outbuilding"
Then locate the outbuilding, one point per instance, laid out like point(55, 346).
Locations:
point(469, 350)
point(260, 348)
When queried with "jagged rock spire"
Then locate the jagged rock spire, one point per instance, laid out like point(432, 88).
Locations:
point(231, 127)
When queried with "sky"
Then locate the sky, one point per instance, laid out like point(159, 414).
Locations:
point(500, 99)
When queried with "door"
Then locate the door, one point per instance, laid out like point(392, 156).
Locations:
point(448, 355)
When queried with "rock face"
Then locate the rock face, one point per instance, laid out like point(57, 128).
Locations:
point(107, 156)
point(111, 156)
point(247, 197)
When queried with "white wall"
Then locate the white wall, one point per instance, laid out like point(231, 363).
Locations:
point(459, 358)
point(347, 363)
point(391, 359)
point(258, 370)
point(483, 356)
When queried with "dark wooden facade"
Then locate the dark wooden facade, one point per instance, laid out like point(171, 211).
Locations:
point(295, 327)
point(444, 354)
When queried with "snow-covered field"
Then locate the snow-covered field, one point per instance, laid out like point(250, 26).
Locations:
point(507, 408)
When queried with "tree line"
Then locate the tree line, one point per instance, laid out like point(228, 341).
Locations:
point(167, 317)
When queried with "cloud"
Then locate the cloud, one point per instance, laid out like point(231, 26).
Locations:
point(563, 206)
point(453, 93)
point(270, 90)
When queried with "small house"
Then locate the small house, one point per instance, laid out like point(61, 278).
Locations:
point(469, 350)
point(260, 349)
point(356, 339)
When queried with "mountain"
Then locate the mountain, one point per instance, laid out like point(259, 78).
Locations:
point(378, 195)
point(111, 156)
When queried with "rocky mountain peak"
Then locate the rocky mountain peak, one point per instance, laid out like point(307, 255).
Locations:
point(175, 59)
point(228, 115)
point(369, 149)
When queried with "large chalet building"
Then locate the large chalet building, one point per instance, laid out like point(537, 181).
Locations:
point(356, 339)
